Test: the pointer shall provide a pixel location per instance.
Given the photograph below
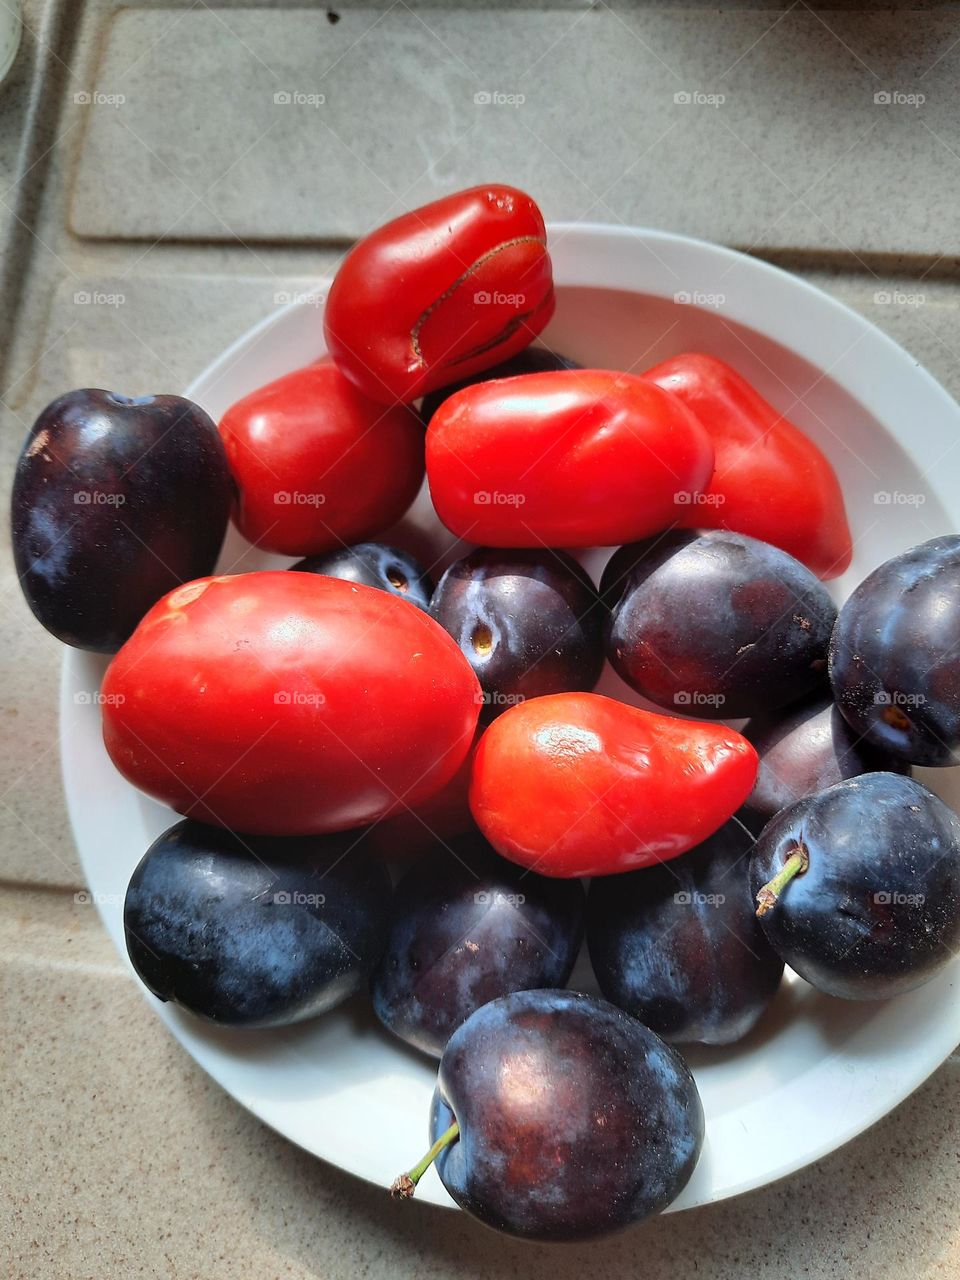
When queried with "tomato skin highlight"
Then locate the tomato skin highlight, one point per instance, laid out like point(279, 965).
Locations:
point(573, 458)
point(284, 703)
point(577, 784)
point(318, 464)
point(771, 481)
point(441, 293)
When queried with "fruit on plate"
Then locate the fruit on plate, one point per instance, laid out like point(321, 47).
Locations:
point(806, 748)
point(466, 926)
point(253, 931)
point(771, 481)
point(575, 784)
point(116, 500)
point(441, 293)
point(288, 704)
point(716, 624)
point(894, 661)
point(858, 887)
point(578, 458)
point(679, 945)
point(530, 360)
point(375, 565)
point(559, 1117)
point(318, 464)
point(528, 622)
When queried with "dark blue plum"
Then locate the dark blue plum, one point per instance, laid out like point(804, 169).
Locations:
point(574, 1119)
point(251, 931)
point(716, 625)
point(679, 945)
point(116, 501)
point(877, 909)
point(895, 657)
point(530, 360)
point(805, 749)
point(529, 622)
point(468, 926)
point(373, 564)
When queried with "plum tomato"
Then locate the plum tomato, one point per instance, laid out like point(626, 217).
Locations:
point(679, 945)
point(467, 926)
point(531, 360)
point(288, 704)
point(528, 622)
point(577, 458)
point(375, 565)
point(858, 887)
point(575, 784)
point(716, 624)
point(441, 293)
point(253, 931)
point(894, 662)
point(317, 464)
point(116, 501)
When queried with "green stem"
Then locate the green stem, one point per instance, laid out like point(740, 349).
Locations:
point(795, 865)
point(404, 1187)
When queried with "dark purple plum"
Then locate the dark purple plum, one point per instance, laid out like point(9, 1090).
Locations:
point(254, 931)
point(530, 360)
point(679, 945)
point(116, 501)
point(859, 886)
point(468, 926)
point(805, 749)
point(529, 622)
point(572, 1119)
point(372, 564)
point(716, 625)
point(895, 656)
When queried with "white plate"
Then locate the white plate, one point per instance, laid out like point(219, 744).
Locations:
point(817, 1071)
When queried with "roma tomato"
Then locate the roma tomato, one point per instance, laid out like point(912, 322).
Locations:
point(576, 458)
point(317, 464)
point(771, 481)
point(575, 784)
point(441, 293)
point(288, 704)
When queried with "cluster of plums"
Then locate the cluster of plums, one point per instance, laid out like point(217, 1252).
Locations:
point(693, 861)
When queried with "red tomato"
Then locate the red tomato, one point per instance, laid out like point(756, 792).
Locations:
point(445, 815)
point(575, 458)
point(288, 703)
point(575, 784)
point(317, 464)
point(771, 481)
point(441, 293)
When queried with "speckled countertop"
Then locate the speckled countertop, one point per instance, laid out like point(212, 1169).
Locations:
point(157, 196)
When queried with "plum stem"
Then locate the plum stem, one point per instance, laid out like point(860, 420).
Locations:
point(795, 865)
point(404, 1186)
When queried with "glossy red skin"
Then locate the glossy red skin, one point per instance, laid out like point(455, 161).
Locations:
point(576, 784)
point(775, 483)
point(574, 458)
point(288, 704)
point(442, 817)
point(313, 433)
point(402, 316)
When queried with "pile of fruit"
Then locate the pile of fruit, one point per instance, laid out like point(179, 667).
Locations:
point(400, 787)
